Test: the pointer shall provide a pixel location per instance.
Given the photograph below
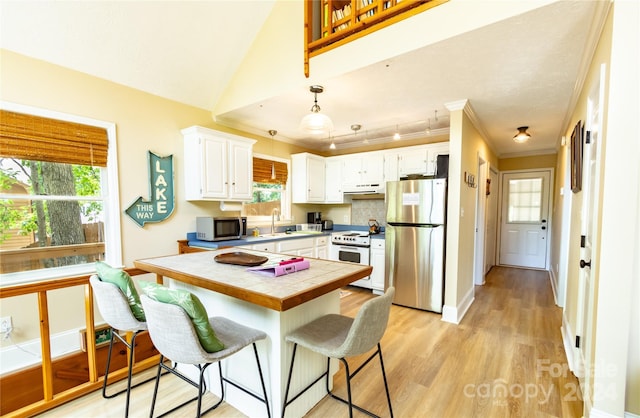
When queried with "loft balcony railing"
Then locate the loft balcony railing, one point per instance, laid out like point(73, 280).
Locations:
point(331, 23)
point(57, 386)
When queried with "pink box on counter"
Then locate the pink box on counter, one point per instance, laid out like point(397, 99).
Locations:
point(275, 270)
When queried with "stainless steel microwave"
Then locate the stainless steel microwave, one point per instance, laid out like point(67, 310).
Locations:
point(220, 229)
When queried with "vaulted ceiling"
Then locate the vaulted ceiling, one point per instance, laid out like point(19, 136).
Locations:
point(521, 70)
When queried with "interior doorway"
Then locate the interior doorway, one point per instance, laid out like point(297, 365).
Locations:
point(481, 206)
point(491, 224)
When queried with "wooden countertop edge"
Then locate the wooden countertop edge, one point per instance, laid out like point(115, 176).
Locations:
point(278, 304)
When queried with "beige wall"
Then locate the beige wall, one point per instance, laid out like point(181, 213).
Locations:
point(613, 332)
point(144, 122)
point(528, 162)
point(465, 141)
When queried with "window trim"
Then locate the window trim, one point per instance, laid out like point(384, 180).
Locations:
point(110, 194)
point(285, 217)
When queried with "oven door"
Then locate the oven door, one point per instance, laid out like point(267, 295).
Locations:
point(350, 254)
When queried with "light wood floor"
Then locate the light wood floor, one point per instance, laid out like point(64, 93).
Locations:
point(505, 359)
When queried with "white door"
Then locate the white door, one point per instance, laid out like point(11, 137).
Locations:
point(524, 218)
point(589, 213)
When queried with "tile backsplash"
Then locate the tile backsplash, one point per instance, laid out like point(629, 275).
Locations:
point(363, 210)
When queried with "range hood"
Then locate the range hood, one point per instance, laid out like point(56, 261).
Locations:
point(364, 189)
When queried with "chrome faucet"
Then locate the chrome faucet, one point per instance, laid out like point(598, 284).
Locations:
point(273, 213)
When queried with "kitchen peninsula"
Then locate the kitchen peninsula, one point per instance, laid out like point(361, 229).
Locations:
point(276, 305)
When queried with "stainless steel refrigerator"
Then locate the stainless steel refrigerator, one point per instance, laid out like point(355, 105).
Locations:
point(415, 242)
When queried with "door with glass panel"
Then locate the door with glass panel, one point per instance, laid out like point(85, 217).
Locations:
point(525, 219)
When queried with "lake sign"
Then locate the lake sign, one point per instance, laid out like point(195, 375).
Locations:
point(161, 203)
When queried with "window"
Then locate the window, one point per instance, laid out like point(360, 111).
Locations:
point(525, 200)
point(58, 195)
point(270, 192)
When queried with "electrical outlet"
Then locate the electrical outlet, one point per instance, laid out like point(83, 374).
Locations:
point(345, 219)
point(5, 324)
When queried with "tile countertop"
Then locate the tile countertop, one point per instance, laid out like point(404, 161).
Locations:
point(279, 293)
point(213, 245)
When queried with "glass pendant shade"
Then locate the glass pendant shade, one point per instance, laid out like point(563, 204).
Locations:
point(316, 123)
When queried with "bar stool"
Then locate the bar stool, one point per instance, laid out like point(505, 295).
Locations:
point(174, 335)
point(115, 310)
point(337, 336)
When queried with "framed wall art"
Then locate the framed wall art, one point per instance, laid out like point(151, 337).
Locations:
point(576, 157)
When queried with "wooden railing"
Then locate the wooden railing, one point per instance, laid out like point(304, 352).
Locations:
point(51, 399)
point(25, 259)
point(331, 23)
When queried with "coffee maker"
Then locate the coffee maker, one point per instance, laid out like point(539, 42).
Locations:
point(314, 217)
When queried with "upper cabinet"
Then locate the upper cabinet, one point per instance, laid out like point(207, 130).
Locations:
point(317, 179)
point(420, 159)
point(217, 165)
point(363, 172)
point(308, 178)
point(333, 180)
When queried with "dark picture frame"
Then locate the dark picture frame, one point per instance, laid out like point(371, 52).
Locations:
point(576, 157)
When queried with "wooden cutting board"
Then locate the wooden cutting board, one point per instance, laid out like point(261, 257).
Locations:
point(241, 259)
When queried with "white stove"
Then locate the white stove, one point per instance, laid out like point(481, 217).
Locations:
point(353, 238)
point(352, 247)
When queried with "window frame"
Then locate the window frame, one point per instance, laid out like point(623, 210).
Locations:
point(285, 216)
point(110, 198)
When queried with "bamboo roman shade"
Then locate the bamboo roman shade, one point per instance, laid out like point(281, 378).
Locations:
point(262, 171)
point(37, 138)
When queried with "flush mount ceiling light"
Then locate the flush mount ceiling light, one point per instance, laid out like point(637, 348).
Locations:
point(396, 136)
point(522, 136)
point(316, 123)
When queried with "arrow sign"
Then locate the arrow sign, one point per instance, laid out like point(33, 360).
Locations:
point(162, 201)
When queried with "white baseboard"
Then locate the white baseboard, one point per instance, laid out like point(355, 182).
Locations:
point(454, 314)
point(568, 340)
point(596, 413)
point(554, 286)
point(21, 355)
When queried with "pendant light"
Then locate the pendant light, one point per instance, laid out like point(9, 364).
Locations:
point(272, 132)
point(522, 136)
point(355, 128)
point(316, 123)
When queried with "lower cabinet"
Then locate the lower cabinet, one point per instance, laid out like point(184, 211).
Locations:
point(304, 247)
point(266, 246)
point(317, 247)
point(322, 247)
point(376, 260)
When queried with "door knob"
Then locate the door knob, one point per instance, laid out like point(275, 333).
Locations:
point(584, 264)
point(544, 227)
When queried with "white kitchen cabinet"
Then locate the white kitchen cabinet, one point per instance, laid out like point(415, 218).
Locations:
point(376, 260)
point(265, 246)
point(307, 178)
point(217, 165)
point(391, 166)
point(304, 247)
point(322, 247)
point(413, 161)
point(439, 148)
point(333, 180)
point(362, 169)
point(420, 159)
